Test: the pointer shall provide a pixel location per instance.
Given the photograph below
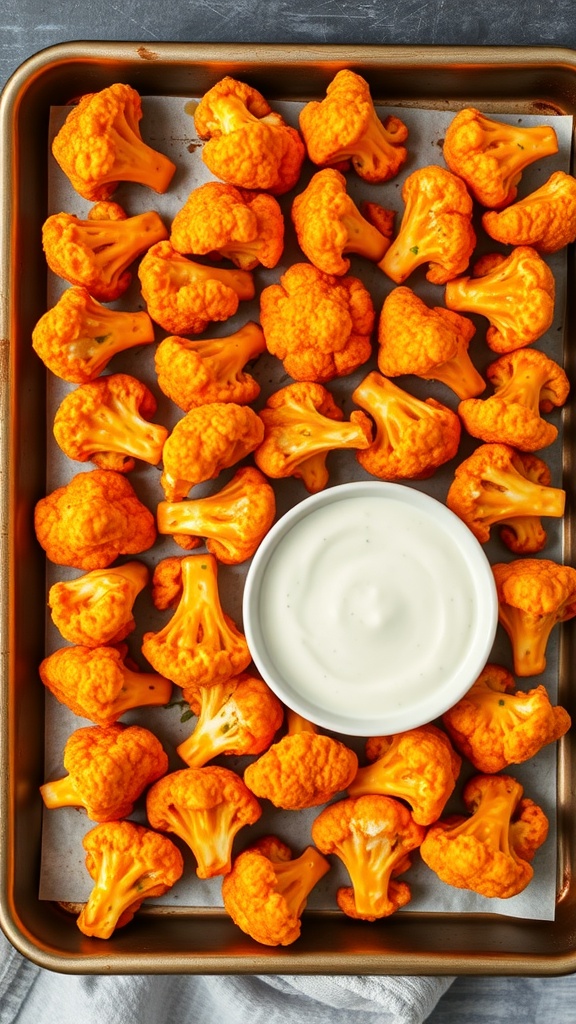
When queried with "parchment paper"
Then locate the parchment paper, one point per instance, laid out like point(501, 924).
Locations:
point(168, 125)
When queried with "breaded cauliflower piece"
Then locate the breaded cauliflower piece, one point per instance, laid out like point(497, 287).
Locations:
point(92, 519)
point(515, 293)
point(545, 219)
point(205, 441)
point(413, 437)
point(318, 324)
point(99, 145)
point(184, 296)
point(108, 769)
point(97, 608)
point(436, 228)
point(431, 343)
point(490, 155)
point(248, 144)
point(495, 725)
point(222, 220)
point(344, 126)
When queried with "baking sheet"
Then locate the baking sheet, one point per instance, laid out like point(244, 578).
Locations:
point(167, 125)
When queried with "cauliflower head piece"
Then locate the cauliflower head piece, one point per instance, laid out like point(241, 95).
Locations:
point(96, 609)
point(545, 219)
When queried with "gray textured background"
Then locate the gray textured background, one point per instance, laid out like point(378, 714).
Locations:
point(27, 26)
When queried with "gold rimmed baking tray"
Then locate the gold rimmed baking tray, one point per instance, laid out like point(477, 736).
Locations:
point(164, 940)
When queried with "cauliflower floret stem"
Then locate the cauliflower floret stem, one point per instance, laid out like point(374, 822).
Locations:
point(370, 862)
point(119, 427)
point(490, 825)
point(209, 832)
point(60, 793)
point(531, 634)
point(140, 689)
point(133, 159)
point(421, 239)
point(105, 333)
point(508, 493)
point(120, 883)
point(296, 878)
point(363, 237)
point(215, 730)
point(231, 114)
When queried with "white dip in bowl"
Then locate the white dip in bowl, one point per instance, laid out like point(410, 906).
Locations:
point(370, 608)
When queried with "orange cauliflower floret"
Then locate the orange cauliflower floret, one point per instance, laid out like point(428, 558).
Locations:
point(97, 252)
point(302, 424)
point(239, 716)
point(92, 519)
point(318, 324)
point(222, 220)
point(545, 219)
point(418, 766)
point(328, 224)
point(497, 485)
point(108, 769)
point(436, 227)
point(95, 683)
point(77, 338)
point(345, 126)
point(108, 422)
point(490, 155)
point(96, 609)
point(525, 383)
point(233, 521)
point(248, 144)
point(184, 296)
point(495, 725)
point(199, 645)
point(305, 768)
point(534, 594)
point(515, 293)
point(267, 890)
point(373, 837)
point(488, 852)
point(205, 441)
point(193, 373)
point(129, 864)
point(431, 343)
point(413, 437)
point(206, 808)
point(100, 145)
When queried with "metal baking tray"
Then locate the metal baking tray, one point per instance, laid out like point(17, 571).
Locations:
point(165, 940)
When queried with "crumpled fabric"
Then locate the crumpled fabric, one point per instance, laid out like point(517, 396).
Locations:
point(31, 995)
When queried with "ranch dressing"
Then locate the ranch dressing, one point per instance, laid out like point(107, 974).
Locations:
point(366, 605)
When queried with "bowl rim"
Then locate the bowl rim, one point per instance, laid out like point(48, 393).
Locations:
point(485, 607)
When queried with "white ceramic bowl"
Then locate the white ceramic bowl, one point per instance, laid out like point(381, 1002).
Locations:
point(370, 608)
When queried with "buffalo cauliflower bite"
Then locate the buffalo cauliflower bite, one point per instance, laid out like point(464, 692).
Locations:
point(344, 126)
point(303, 769)
point(222, 220)
point(431, 343)
point(267, 890)
point(206, 808)
point(92, 519)
point(515, 293)
point(494, 725)
point(413, 437)
point(108, 769)
point(545, 219)
point(184, 296)
point(200, 645)
point(192, 373)
point(95, 683)
point(328, 224)
point(490, 155)
point(302, 424)
point(534, 595)
point(205, 441)
point(96, 253)
point(373, 836)
point(97, 608)
point(436, 228)
point(77, 338)
point(100, 145)
point(237, 717)
point(497, 485)
point(526, 382)
point(107, 421)
point(489, 851)
point(418, 766)
point(318, 324)
point(129, 863)
point(232, 522)
point(248, 144)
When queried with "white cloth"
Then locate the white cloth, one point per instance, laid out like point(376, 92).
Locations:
point(31, 995)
